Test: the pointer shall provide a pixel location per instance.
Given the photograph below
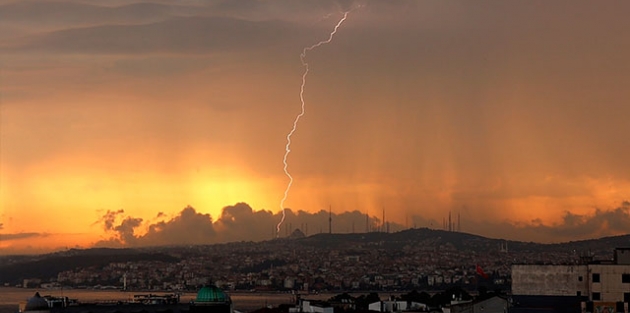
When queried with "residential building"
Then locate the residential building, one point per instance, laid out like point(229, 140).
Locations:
point(598, 286)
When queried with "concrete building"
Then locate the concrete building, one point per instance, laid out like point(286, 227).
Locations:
point(495, 304)
point(550, 280)
point(312, 306)
point(600, 286)
point(396, 306)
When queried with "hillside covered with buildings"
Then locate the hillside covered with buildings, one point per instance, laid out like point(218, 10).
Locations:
point(413, 259)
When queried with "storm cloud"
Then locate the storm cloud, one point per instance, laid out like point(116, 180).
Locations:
point(596, 223)
point(240, 222)
point(109, 218)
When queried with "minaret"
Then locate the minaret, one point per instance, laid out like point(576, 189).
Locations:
point(450, 226)
point(367, 221)
point(383, 225)
point(330, 220)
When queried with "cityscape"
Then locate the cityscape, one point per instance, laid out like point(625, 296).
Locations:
point(423, 264)
point(322, 262)
point(314, 156)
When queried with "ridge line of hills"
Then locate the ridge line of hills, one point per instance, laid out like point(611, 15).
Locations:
point(14, 268)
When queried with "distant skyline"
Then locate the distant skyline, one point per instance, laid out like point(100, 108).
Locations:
point(130, 123)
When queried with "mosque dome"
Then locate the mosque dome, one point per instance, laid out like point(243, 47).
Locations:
point(209, 294)
point(36, 303)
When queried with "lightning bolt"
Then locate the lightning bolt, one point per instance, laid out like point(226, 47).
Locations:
point(287, 148)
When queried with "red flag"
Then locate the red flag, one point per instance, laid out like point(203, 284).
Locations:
point(481, 272)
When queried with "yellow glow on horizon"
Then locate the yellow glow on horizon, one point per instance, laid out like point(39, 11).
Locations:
point(73, 193)
point(66, 194)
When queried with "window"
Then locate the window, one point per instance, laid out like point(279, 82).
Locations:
point(579, 293)
point(579, 278)
point(626, 297)
point(625, 278)
point(596, 296)
point(595, 277)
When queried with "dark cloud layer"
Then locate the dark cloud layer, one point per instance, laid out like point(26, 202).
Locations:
point(241, 223)
point(109, 218)
point(155, 27)
point(71, 13)
point(189, 227)
point(598, 223)
point(18, 236)
point(180, 35)
point(236, 223)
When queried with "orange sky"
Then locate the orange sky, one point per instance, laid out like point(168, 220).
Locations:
point(512, 115)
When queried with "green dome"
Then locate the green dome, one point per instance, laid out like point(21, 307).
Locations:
point(211, 294)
